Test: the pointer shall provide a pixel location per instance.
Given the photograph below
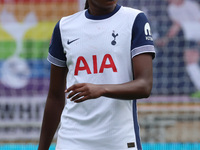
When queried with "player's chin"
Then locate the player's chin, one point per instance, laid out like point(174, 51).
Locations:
point(111, 1)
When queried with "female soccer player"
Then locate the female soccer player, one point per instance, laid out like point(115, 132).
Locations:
point(103, 55)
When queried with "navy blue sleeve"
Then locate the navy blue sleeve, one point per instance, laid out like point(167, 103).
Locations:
point(56, 51)
point(142, 41)
point(141, 33)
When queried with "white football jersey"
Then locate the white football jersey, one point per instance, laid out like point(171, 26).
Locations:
point(99, 50)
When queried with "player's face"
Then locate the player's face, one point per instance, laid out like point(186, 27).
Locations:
point(103, 4)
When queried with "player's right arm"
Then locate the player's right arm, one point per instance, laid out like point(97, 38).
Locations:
point(54, 106)
point(56, 96)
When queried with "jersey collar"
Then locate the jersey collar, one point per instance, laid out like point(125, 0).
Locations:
point(89, 16)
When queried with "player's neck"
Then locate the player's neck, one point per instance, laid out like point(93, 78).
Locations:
point(97, 11)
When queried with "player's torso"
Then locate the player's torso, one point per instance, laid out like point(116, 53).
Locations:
point(97, 47)
point(97, 51)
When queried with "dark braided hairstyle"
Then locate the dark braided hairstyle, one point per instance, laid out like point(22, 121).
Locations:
point(86, 4)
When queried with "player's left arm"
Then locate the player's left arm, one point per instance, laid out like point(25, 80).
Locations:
point(141, 86)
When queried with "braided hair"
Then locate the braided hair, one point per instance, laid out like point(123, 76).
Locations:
point(86, 4)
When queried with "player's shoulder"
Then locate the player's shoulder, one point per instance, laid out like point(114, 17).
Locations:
point(72, 17)
point(130, 11)
point(133, 15)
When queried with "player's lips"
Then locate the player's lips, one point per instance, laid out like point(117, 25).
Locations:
point(111, 1)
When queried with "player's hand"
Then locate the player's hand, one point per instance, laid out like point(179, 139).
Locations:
point(84, 91)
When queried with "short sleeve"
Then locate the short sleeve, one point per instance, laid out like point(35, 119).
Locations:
point(142, 41)
point(56, 54)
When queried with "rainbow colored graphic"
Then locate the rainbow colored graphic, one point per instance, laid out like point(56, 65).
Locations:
point(26, 27)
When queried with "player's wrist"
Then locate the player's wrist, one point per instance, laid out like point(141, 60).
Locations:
point(109, 90)
point(104, 90)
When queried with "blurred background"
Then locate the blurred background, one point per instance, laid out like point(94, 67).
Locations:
point(169, 118)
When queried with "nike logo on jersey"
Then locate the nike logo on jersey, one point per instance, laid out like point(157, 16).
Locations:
point(70, 42)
